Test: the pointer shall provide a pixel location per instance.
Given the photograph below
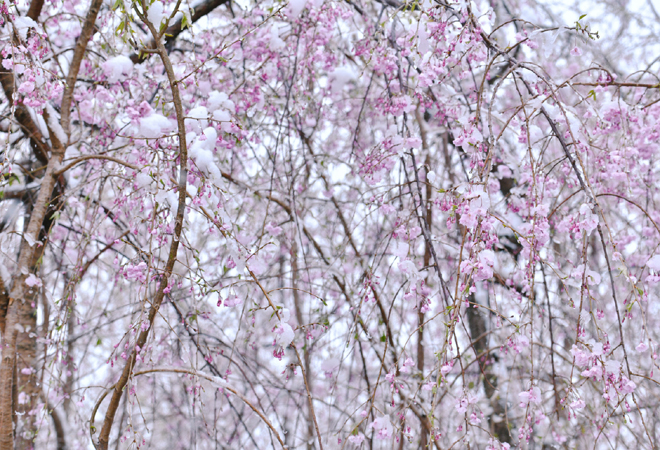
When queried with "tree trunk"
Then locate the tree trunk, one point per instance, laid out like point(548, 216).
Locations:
point(497, 420)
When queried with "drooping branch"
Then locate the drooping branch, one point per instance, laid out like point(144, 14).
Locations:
point(221, 384)
point(100, 157)
point(174, 30)
point(118, 391)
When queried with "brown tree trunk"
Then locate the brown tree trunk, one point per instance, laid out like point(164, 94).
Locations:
point(21, 319)
point(26, 383)
point(499, 427)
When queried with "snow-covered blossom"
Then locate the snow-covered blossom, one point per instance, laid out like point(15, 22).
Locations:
point(32, 280)
point(407, 365)
point(382, 427)
point(484, 266)
point(283, 334)
point(578, 404)
point(408, 268)
point(446, 367)
point(654, 263)
point(329, 366)
point(357, 439)
point(531, 396)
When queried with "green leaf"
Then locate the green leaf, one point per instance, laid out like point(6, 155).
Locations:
point(185, 23)
point(582, 16)
point(383, 338)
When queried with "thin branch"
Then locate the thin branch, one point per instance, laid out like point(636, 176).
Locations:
point(176, 29)
point(103, 157)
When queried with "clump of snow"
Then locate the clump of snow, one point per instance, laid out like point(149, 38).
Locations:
point(199, 113)
point(23, 24)
point(276, 43)
point(54, 124)
point(5, 276)
point(197, 118)
point(654, 264)
point(408, 268)
point(154, 126)
point(329, 366)
point(284, 334)
point(143, 180)
point(296, 7)
point(220, 100)
point(30, 239)
point(339, 77)
point(167, 197)
point(155, 14)
point(86, 110)
point(222, 108)
point(221, 115)
point(117, 68)
point(423, 44)
point(201, 151)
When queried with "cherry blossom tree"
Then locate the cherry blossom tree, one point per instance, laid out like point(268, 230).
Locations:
point(329, 224)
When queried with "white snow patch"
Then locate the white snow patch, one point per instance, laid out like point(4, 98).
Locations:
point(154, 126)
point(201, 151)
point(221, 115)
point(284, 334)
point(275, 42)
point(220, 100)
point(296, 7)
point(54, 124)
point(197, 118)
point(4, 274)
point(117, 68)
point(23, 24)
point(654, 264)
point(155, 14)
point(339, 77)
